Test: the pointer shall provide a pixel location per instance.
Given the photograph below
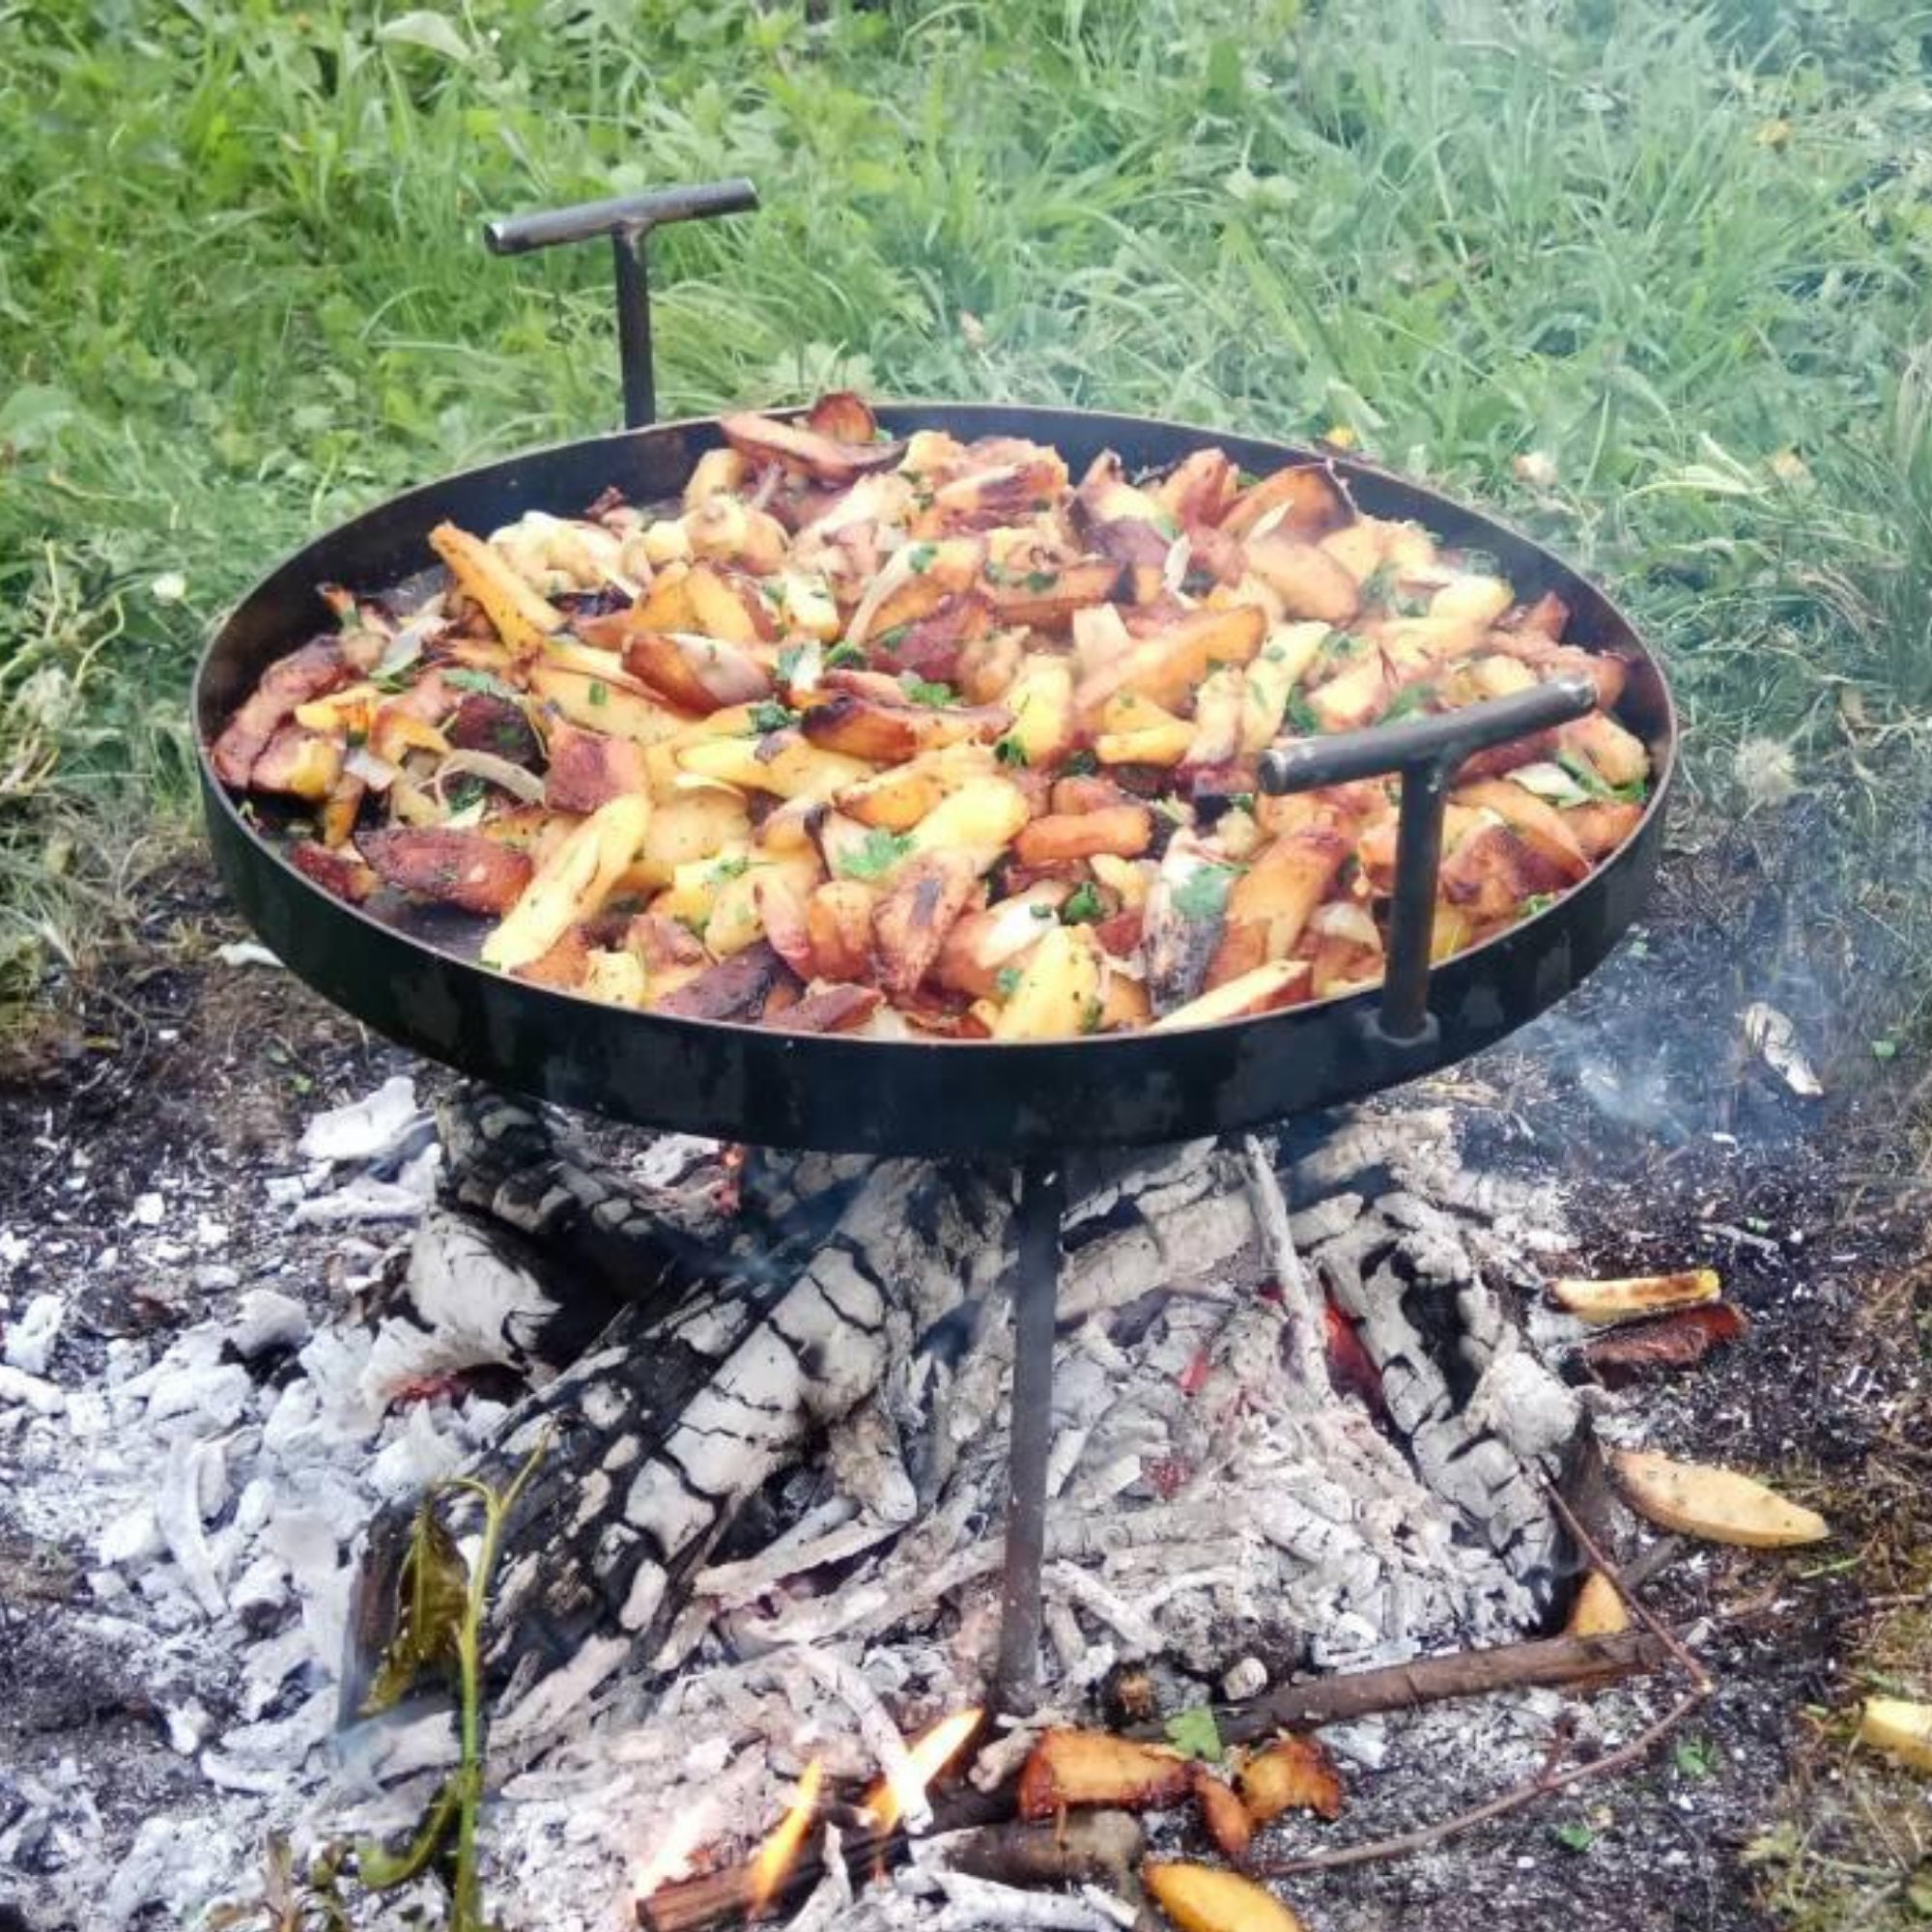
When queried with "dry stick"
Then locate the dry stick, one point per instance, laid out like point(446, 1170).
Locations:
point(1565, 1662)
point(1549, 1779)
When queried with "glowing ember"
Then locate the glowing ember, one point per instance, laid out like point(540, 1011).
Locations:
point(777, 1853)
point(926, 1756)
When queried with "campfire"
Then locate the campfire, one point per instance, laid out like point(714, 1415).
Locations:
point(1324, 1437)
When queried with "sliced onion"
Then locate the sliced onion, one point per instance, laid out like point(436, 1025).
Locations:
point(1342, 920)
point(377, 774)
point(894, 571)
point(492, 770)
point(1174, 572)
point(1550, 780)
point(1016, 925)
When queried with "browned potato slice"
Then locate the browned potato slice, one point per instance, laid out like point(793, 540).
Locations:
point(911, 920)
point(561, 964)
point(981, 818)
point(1046, 600)
point(340, 809)
point(665, 607)
point(1602, 825)
point(1293, 1775)
point(301, 764)
point(619, 706)
point(718, 472)
point(1619, 757)
point(888, 735)
point(1719, 1505)
point(781, 762)
point(1224, 1814)
point(1198, 1898)
point(1537, 821)
point(735, 990)
point(728, 606)
point(460, 868)
point(1305, 501)
point(1632, 1298)
point(989, 664)
point(839, 919)
point(1281, 982)
point(1599, 1610)
point(697, 673)
point(1069, 1768)
point(1491, 872)
point(1199, 489)
point(807, 452)
point(981, 945)
point(340, 872)
point(1040, 700)
point(726, 530)
point(1306, 580)
point(1167, 667)
point(572, 883)
point(845, 417)
point(522, 618)
point(1548, 617)
point(1357, 697)
point(1219, 707)
point(1123, 829)
point(1269, 905)
point(1059, 991)
point(899, 798)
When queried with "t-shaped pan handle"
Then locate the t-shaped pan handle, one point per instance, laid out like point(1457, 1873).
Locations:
point(1427, 752)
point(628, 220)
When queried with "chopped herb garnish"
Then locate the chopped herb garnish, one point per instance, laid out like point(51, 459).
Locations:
point(463, 679)
point(1537, 902)
point(876, 855)
point(788, 662)
point(1081, 765)
point(841, 655)
point(1084, 906)
point(599, 692)
point(923, 691)
point(1090, 1017)
point(1598, 786)
point(1040, 581)
point(1203, 894)
point(1378, 583)
point(768, 715)
point(464, 791)
point(357, 738)
point(891, 640)
point(1404, 604)
point(733, 868)
point(1342, 644)
point(1478, 563)
point(1242, 800)
point(1302, 714)
point(1007, 981)
point(1011, 752)
point(1040, 910)
point(919, 558)
point(1409, 700)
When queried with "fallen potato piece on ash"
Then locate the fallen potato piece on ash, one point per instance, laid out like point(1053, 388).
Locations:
point(1070, 1767)
point(1719, 1505)
point(1900, 1728)
point(1198, 1898)
point(1293, 1775)
point(1632, 1297)
point(1227, 1819)
point(1599, 1610)
point(1679, 1341)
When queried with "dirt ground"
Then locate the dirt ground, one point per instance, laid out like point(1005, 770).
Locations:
point(1682, 1148)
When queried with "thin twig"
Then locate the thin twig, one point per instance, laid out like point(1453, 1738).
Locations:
point(1541, 1786)
point(1549, 1778)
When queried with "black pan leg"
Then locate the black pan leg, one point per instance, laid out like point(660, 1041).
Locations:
point(1035, 1282)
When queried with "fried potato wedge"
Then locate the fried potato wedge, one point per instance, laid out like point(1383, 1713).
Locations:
point(588, 769)
point(1304, 501)
point(619, 707)
point(981, 818)
point(839, 1009)
point(1304, 578)
point(572, 883)
point(1719, 1505)
point(1293, 1775)
point(1599, 1610)
point(887, 733)
point(1167, 667)
point(1069, 1768)
point(781, 762)
point(1632, 1298)
point(735, 990)
point(912, 918)
point(1281, 982)
point(1899, 1729)
point(839, 921)
point(1224, 1815)
point(1123, 829)
point(699, 674)
point(1058, 994)
point(1199, 1898)
point(520, 617)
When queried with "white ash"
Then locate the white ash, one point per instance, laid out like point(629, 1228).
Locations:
point(1211, 1491)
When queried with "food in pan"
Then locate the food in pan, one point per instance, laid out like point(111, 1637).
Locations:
point(923, 738)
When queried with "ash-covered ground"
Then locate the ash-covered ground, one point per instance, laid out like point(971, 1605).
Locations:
point(151, 1183)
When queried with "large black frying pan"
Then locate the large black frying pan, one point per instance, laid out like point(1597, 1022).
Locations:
point(414, 982)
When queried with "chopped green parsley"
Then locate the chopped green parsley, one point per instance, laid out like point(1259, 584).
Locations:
point(876, 855)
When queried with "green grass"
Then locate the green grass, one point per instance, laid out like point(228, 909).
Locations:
point(243, 294)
